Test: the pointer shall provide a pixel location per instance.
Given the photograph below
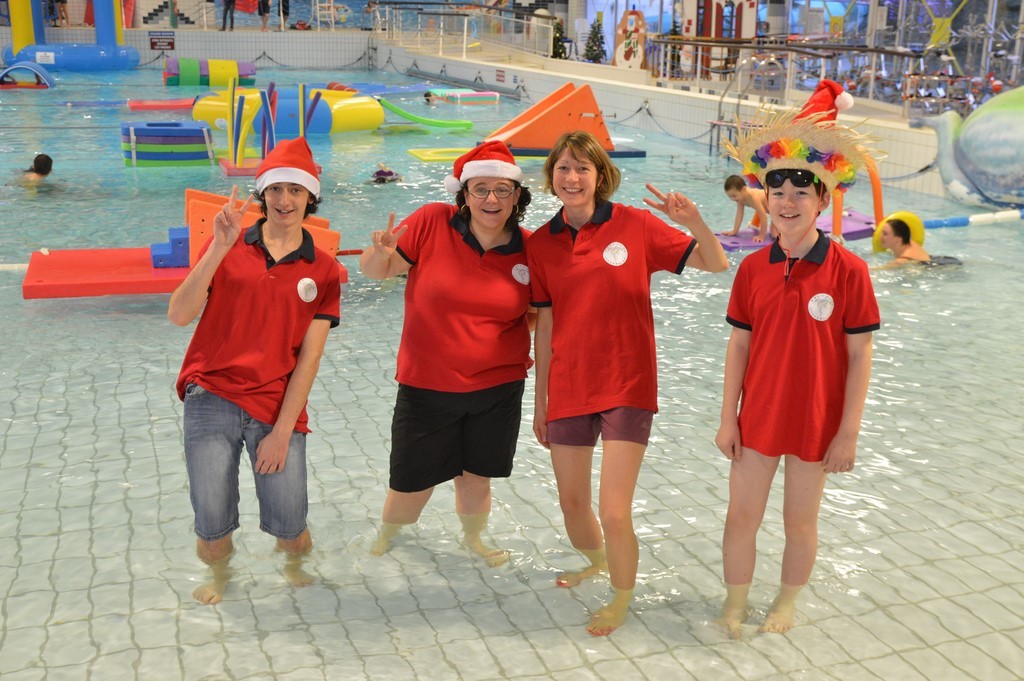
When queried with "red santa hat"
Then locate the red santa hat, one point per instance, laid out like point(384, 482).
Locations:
point(290, 161)
point(489, 159)
point(828, 99)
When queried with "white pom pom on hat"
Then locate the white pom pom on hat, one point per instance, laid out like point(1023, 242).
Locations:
point(489, 159)
point(828, 99)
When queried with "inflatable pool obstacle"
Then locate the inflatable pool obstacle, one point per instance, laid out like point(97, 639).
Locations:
point(432, 122)
point(208, 72)
point(853, 225)
point(28, 40)
point(464, 96)
point(160, 268)
point(534, 132)
point(147, 144)
point(25, 74)
point(303, 110)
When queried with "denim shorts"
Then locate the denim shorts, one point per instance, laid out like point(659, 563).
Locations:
point(215, 431)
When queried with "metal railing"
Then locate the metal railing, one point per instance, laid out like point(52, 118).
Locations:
point(445, 28)
point(770, 71)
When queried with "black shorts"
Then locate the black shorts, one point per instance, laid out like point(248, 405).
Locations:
point(435, 436)
point(263, 7)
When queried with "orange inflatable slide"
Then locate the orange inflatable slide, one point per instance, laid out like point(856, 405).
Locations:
point(535, 131)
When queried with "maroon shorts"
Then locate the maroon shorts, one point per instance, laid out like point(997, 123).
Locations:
point(621, 423)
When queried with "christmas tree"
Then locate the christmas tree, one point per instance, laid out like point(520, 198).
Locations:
point(594, 51)
point(557, 44)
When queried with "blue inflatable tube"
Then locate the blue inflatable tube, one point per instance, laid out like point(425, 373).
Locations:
point(75, 57)
point(286, 125)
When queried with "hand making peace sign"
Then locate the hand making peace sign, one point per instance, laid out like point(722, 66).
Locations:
point(386, 241)
point(227, 224)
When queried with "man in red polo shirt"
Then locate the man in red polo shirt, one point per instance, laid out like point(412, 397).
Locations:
point(268, 298)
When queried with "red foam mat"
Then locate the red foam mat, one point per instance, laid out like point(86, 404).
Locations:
point(97, 272)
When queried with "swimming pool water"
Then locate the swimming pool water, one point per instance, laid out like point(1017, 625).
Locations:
point(918, 574)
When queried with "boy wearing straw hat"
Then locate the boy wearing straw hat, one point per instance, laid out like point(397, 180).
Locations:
point(268, 297)
point(799, 356)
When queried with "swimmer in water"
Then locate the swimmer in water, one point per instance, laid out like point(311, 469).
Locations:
point(383, 174)
point(41, 167)
point(895, 236)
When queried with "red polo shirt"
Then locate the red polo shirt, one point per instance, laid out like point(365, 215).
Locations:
point(465, 308)
point(795, 382)
point(247, 342)
point(598, 286)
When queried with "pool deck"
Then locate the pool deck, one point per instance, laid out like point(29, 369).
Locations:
point(98, 557)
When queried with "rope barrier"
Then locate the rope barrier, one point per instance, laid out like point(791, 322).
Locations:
point(645, 108)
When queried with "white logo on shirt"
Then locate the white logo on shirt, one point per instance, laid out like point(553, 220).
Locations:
point(307, 290)
point(821, 306)
point(521, 273)
point(615, 254)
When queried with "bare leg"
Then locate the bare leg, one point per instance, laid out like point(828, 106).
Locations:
point(620, 467)
point(295, 550)
point(782, 616)
point(572, 474)
point(734, 612)
point(750, 481)
point(473, 504)
point(216, 554)
point(400, 508)
point(805, 483)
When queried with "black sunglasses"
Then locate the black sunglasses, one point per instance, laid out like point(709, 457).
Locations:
point(800, 178)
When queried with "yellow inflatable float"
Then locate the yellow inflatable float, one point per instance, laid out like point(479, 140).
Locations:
point(336, 111)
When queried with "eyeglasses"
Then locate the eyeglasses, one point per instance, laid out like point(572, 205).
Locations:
point(800, 178)
point(499, 192)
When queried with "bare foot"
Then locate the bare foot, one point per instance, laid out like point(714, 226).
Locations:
point(380, 546)
point(781, 619)
point(782, 615)
point(604, 622)
point(295, 551)
point(208, 594)
point(568, 580)
point(384, 537)
point(495, 557)
point(731, 619)
point(294, 573)
point(612, 616)
point(212, 592)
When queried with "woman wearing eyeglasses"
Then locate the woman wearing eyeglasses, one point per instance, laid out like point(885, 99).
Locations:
point(799, 356)
point(590, 273)
point(465, 346)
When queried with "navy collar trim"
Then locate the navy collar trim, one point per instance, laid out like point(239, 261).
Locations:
point(461, 225)
point(602, 214)
point(816, 255)
point(306, 250)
